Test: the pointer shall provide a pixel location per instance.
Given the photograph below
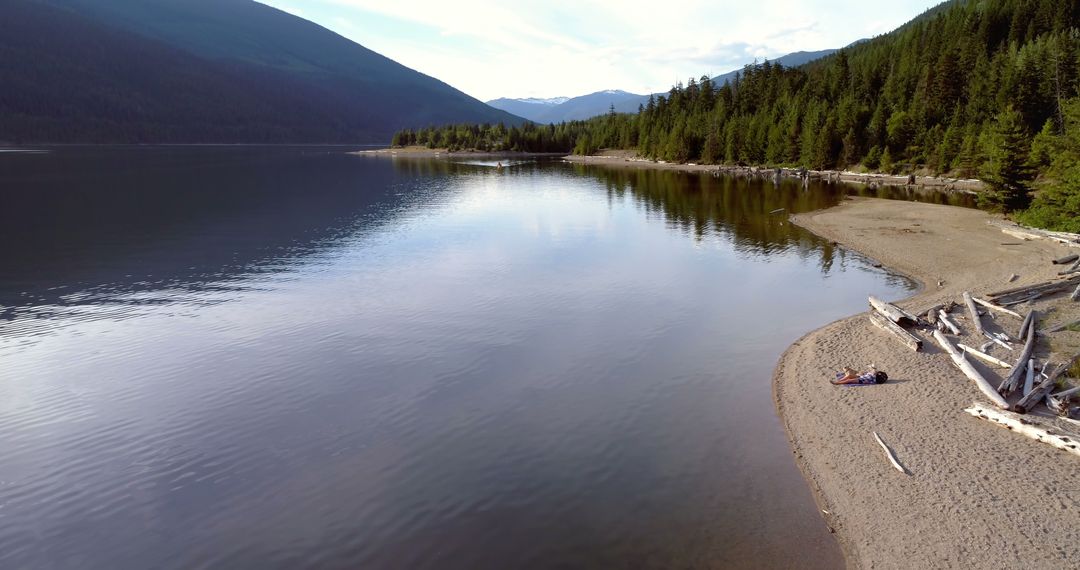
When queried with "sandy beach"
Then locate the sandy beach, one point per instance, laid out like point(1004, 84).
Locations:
point(977, 496)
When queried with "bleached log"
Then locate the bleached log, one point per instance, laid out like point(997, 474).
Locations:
point(1029, 382)
point(994, 307)
point(1013, 277)
point(974, 312)
point(983, 356)
point(893, 313)
point(998, 341)
point(1067, 393)
point(909, 340)
point(1012, 381)
point(1075, 294)
point(1026, 427)
point(1075, 268)
point(889, 454)
point(944, 319)
point(1067, 259)
point(969, 371)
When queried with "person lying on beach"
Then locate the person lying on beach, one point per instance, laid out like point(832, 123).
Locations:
point(850, 376)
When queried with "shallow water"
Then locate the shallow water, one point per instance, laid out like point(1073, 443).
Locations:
point(244, 357)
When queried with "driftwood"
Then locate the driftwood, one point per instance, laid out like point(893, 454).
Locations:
point(994, 307)
point(944, 320)
point(1029, 381)
point(974, 312)
point(893, 313)
point(1036, 395)
point(1067, 393)
point(1037, 291)
point(1027, 299)
point(1063, 326)
point(1057, 405)
point(969, 371)
point(1024, 290)
point(1075, 294)
point(889, 454)
point(931, 314)
point(1012, 381)
point(1067, 259)
point(1026, 427)
point(1021, 232)
point(994, 339)
point(909, 340)
point(1024, 328)
point(983, 356)
point(1075, 268)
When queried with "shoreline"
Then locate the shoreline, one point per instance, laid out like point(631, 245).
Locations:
point(977, 495)
point(423, 152)
point(626, 159)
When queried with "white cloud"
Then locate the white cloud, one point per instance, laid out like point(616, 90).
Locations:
point(491, 48)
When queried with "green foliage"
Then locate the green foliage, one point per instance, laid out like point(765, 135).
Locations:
point(1007, 173)
point(1057, 204)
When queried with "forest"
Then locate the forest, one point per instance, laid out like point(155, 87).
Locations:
point(971, 88)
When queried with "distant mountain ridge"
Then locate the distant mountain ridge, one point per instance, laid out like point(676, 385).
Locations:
point(561, 109)
point(204, 71)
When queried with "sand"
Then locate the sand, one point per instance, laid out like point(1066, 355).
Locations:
point(978, 496)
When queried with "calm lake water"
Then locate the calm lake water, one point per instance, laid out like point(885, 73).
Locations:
point(257, 358)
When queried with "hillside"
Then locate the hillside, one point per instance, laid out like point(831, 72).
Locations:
point(200, 71)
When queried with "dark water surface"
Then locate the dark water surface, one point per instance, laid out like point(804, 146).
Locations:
point(258, 358)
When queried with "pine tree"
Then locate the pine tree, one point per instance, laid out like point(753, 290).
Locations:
point(1007, 174)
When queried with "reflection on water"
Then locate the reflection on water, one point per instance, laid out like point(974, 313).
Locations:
point(239, 357)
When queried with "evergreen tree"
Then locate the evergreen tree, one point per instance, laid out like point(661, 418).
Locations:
point(1007, 174)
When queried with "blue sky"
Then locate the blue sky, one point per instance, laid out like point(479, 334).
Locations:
point(491, 48)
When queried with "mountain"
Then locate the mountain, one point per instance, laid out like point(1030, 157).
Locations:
point(790, 60)
point(561, 109)
point(204, 71)
point(531, 108)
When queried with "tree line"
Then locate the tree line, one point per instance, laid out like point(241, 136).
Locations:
point(986, 89)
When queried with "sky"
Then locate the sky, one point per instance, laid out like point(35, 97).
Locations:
point(552, 48)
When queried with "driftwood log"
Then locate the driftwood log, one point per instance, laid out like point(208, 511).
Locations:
point(1026, 427)
point(994, 307)
point(970, 371)
point(1038, 392)
point(1012, 381)
point(974, 312)
point(1067, 259)
point(1075, 294)
point(1029, 381)
point(943, 318)
point(909, 340)
point(983, 356)
point(893, 313)
point(1024, 328)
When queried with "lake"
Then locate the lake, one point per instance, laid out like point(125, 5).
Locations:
point(292, 357)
